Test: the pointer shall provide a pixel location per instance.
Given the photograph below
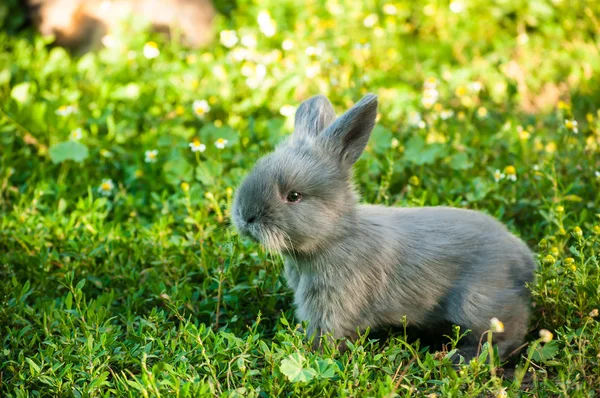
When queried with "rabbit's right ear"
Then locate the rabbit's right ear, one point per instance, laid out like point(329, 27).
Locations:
point(312, 117)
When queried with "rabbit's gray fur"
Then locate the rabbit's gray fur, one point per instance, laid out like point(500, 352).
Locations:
point(357, 266)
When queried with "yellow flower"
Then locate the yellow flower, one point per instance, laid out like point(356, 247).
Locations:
point(496, 326)
point(559, 209)
point(594, 313)
point(554, 251)
point(523, 133)
point(179, 110)
point(229, 191)
point(209, 196)
point(438, 107)
point(139, 173)
point(563, 105)
point(395, 143)
point(185, 186)
point(549, 259)
point(543, 243)
point(551, 147)
point(578, 232)
point(191, 59)
point(546, 336)
point(596, 229)
point(569, 262)
point(218, 123)
point(460, 91)
point(589, 117)
point(461, 115)
point(502, 393)
point(414, 180)
point(511, 172)
point(482, 112)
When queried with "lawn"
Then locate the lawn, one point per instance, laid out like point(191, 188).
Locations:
point(121, 274)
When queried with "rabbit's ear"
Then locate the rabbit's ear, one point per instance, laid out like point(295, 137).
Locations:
point(313, 116)
point(351, 131)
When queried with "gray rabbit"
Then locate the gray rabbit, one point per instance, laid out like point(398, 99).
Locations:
point(354, 266)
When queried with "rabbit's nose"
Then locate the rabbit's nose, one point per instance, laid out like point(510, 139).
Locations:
point(251, 219)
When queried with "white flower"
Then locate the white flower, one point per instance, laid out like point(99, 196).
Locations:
point(287, 110)
point(151, 50)
point(597, 174)
point(260, 72)
point(197, 146)
point(390, 9)
point(220, 143)
point(76, 135)
point(108, 41)
point(537, 168)
point(201, 107)
point(240, 54)
point(512, 177)
point(571, 125)
point(228, 38)
point(151, 156)
point(430, 97)
point(496, 326)
point(457, 6)
point(476, 86)
point(523, 39)
point(316, 51)
point(255, 75)
point(395, 143)
point(106, 188)
point(421, 124)
point(430, 84)
point(370, 20)
point(546, 336)
point(249, 41)
point(313, 70)
point(287, 45)
point(446, 114)
point(66, 110)
point(414, 118)
point(266, 23)
point(498, 175)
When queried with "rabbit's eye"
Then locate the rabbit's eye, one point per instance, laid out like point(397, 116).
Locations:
point(293, 197)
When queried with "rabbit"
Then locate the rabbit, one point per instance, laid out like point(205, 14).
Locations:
point(354, 266)
point(80, 25)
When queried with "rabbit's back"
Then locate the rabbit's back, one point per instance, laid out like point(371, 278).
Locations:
point(457, 258)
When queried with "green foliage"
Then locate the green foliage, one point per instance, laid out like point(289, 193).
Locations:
point(121, 275)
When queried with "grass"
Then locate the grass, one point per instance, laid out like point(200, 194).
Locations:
point(140, 287)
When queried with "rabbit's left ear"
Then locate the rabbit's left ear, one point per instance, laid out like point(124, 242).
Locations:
point(351, 131)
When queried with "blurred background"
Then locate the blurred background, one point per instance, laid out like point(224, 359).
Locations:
point(125, 127)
